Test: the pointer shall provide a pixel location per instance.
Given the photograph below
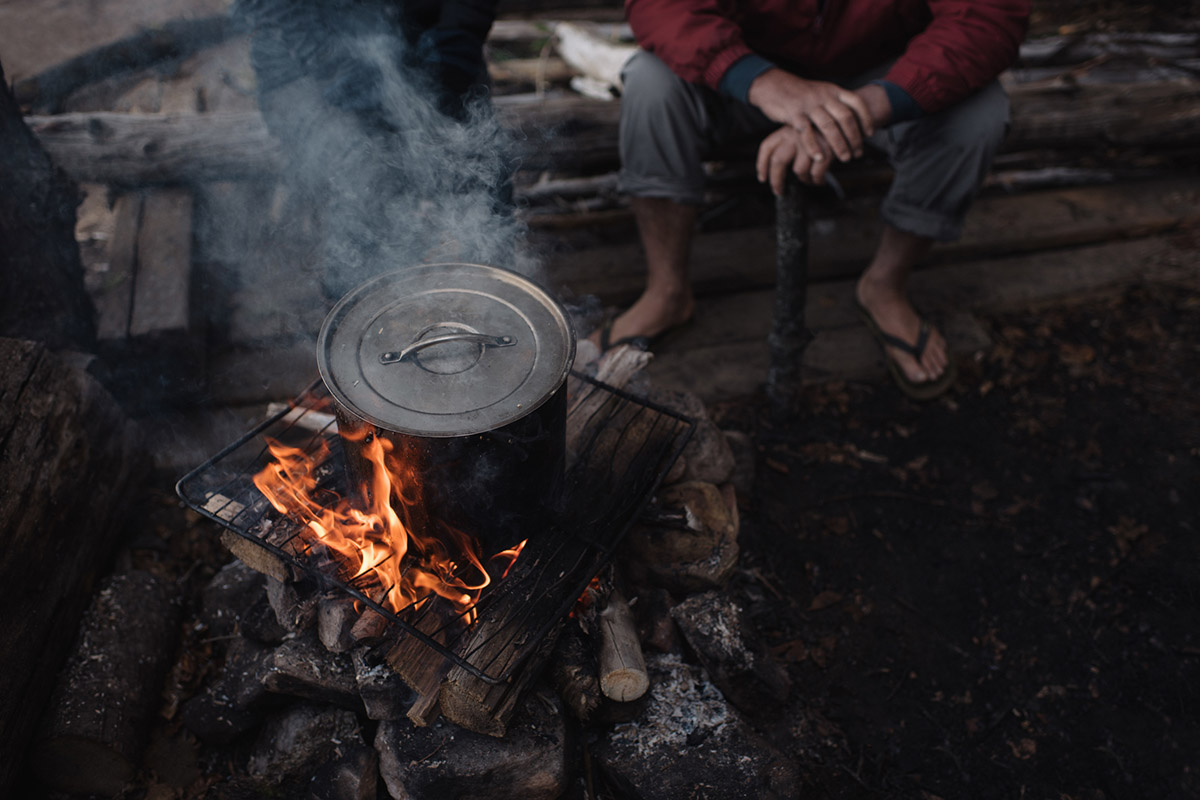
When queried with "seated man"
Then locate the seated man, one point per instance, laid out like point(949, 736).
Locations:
point(818, 79)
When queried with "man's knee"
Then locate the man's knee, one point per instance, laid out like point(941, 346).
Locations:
point(652, 92)
point(979, 123)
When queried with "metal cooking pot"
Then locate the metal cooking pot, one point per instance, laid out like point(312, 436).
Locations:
point(463, 368)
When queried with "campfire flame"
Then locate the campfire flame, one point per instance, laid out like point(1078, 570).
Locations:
point(374, 536)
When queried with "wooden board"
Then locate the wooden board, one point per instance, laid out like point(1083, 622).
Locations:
point(743, 260)
point(162, 283)
point(114, 298)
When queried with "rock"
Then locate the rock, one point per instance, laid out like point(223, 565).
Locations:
point(444, 761)
point(293, 743)
point(228, 707)
point(697, 555)
point(707, 456)
point(232, 590)
point(302, 667)
point(740, 666)
point(259, 622)
point(353, 776)
point(335, 620)
point(690, 737)
point(214, 719)
point(384, 694)
point(295, 604)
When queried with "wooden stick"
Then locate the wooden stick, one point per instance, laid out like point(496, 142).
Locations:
point(623, 675)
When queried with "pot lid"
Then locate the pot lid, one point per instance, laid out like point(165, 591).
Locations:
point(445, 349)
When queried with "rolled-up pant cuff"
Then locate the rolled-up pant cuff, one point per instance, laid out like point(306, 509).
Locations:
point(658, 187)
point(919, 222)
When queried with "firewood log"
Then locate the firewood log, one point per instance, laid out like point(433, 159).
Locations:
point(573, 673)
point(98, 722)
point(623, 674)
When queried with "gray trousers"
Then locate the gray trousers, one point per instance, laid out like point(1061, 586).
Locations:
point(669, 127)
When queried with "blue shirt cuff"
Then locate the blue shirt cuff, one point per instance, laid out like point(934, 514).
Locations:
point(904, 107)
point(737, 79)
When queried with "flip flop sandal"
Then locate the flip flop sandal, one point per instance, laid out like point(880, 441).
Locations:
point(917, 390)
point(607, 343)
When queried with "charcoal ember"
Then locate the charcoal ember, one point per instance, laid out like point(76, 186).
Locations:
point(352, 776)
point(232, 591)
point(697, 553)
point(229, 706)
point(295, 604)
point(689, 736)
point(738, 663)
point(302, 667)
point(294, 743)
point(443, 760)
point(384, 694)
point(707, 456)
point(336, 616)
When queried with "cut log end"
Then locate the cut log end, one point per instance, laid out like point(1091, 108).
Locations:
point(625, 685)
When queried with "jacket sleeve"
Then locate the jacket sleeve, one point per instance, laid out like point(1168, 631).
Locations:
point(698, 39)
point(966, 45)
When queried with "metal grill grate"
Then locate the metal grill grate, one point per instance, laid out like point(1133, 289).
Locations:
point(619, 449)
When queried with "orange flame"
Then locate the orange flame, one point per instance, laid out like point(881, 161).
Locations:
point(375, 537)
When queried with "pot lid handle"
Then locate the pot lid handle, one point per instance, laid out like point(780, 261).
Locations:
point(484, 339)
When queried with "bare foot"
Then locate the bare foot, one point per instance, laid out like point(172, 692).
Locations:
point(652, 314)
point(894, 314)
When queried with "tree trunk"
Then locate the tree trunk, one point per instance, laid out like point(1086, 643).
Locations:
point(41, 276)
point(70, 461)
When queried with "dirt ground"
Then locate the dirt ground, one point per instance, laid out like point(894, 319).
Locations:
point(994, 595)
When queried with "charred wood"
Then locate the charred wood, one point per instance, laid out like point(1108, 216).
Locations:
point(97, 725)
point(573, 674)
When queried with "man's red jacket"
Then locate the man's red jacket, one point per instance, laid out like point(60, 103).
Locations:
point(945, 49)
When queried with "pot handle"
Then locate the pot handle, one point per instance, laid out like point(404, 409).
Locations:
point(479, 338)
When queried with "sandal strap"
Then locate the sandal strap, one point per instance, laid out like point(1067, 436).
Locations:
point(914, 350)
